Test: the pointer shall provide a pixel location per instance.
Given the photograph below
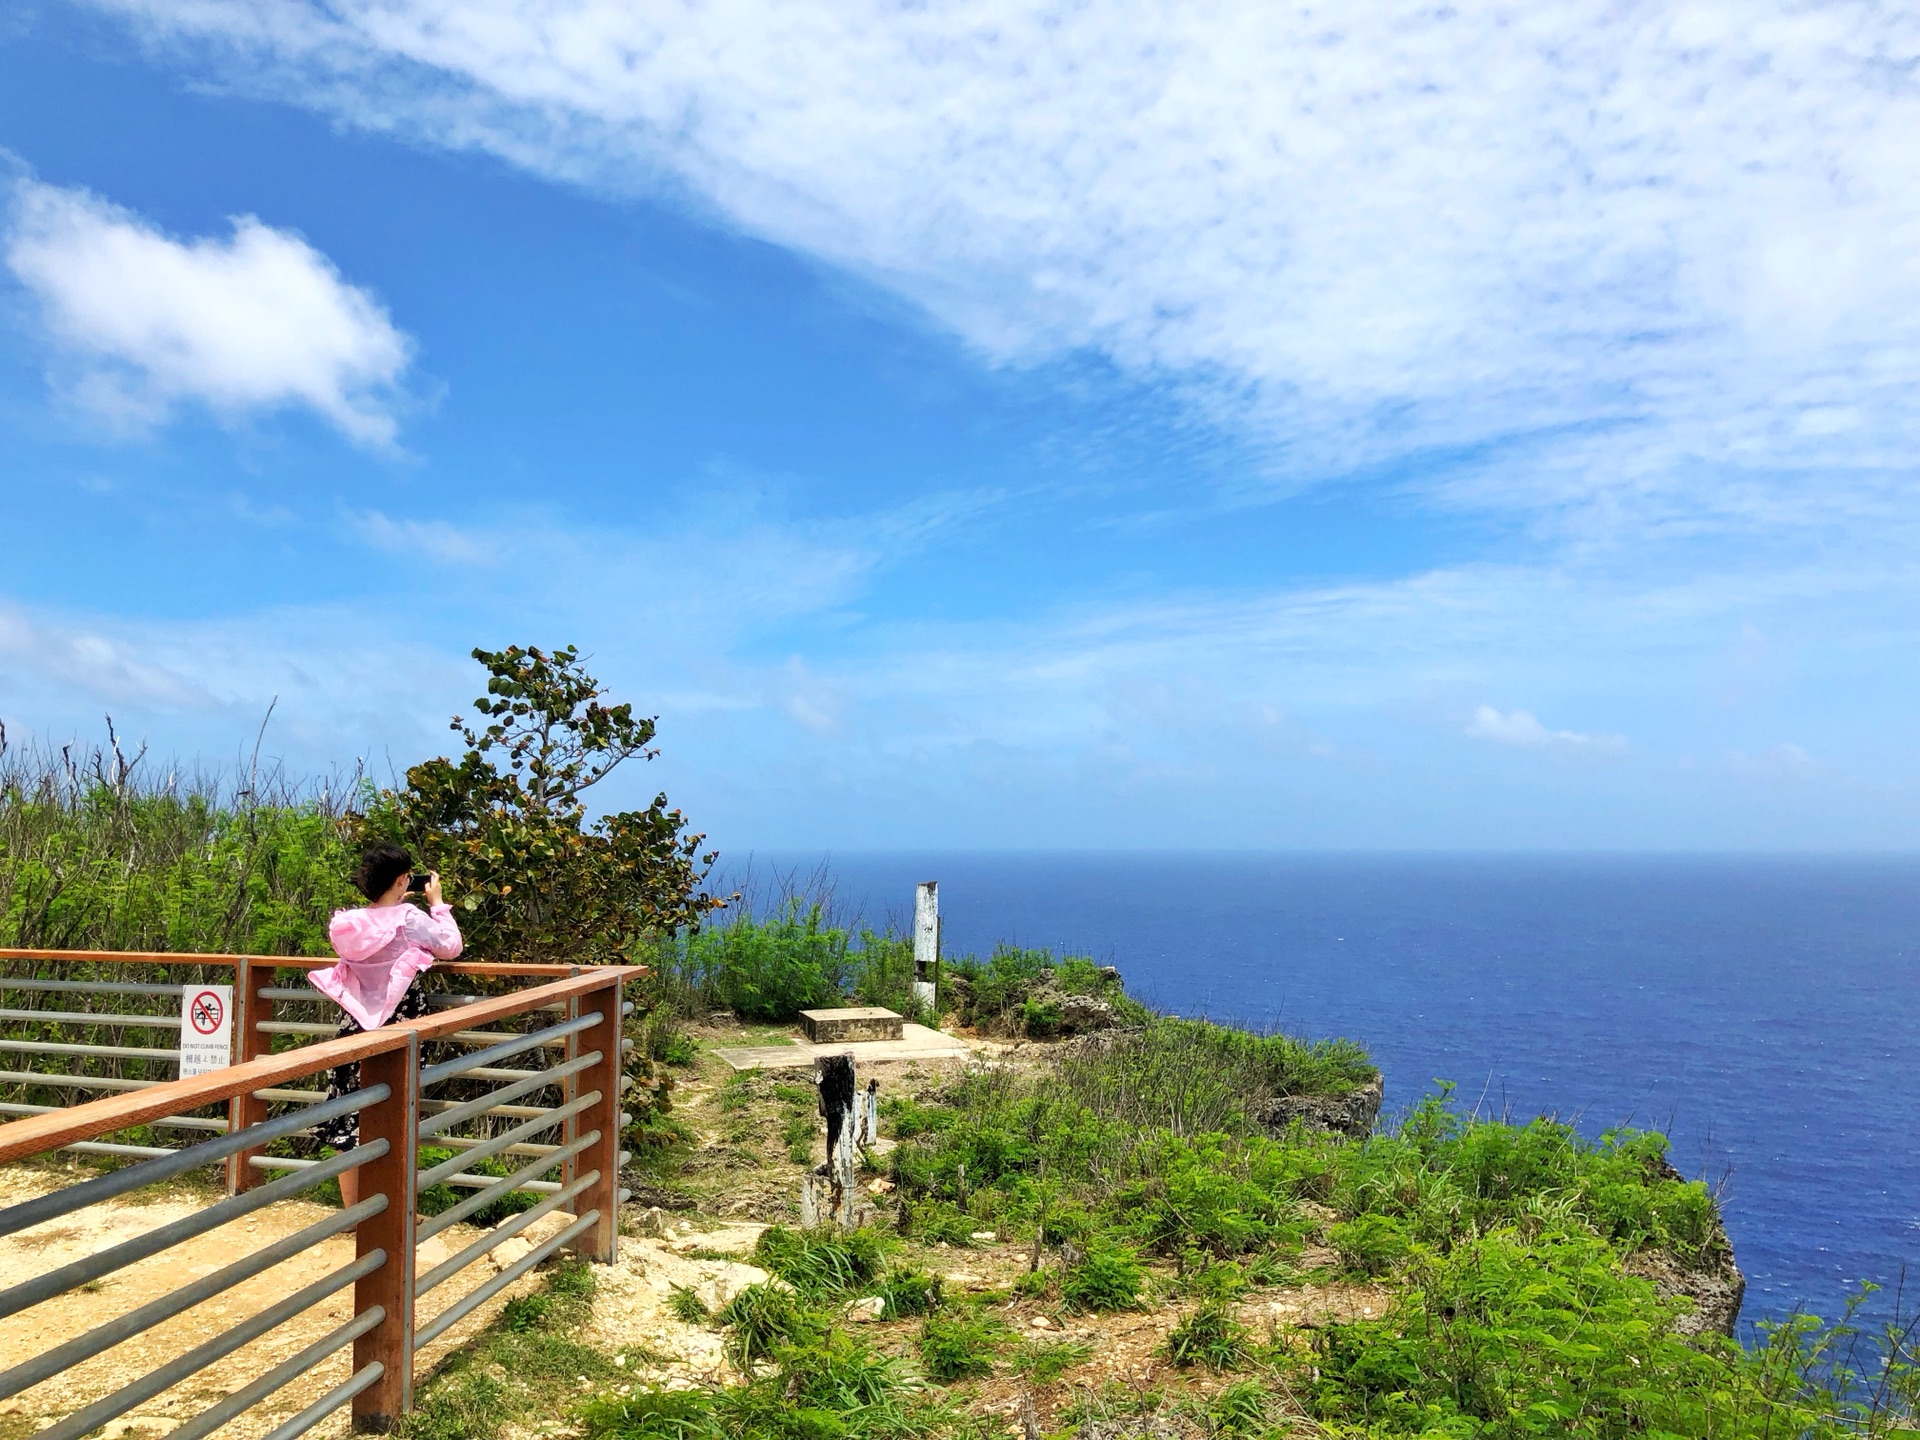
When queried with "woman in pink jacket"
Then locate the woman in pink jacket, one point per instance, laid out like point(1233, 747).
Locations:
point(384, 948)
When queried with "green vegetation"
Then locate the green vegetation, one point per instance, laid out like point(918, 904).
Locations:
point(506, 825)
point(1020, 991)
point(958, 1345)
point(768, 968)
point(98, 854)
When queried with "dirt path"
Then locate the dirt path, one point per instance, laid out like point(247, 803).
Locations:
point(46, 1247)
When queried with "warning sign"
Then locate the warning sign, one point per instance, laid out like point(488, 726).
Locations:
point(206, 1028)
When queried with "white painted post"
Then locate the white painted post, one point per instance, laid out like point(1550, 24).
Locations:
point(926, 940)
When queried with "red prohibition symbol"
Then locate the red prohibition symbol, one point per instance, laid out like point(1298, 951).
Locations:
point(205, 1012)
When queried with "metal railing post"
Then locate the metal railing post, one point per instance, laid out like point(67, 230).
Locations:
point(601, 1241)
point(248, 1044)
point(390, 1343)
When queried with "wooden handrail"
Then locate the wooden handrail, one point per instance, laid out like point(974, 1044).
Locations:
point(499, 1007)
point(40, 1133)
point(289, 962)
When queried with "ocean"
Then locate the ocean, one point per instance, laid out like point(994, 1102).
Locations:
point(1763, 1013)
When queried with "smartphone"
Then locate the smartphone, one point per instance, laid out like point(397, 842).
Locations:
point(417, 882)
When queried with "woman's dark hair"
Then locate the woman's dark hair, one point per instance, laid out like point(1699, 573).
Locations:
point(381, 863)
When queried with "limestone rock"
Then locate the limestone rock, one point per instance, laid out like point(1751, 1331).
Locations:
point(727, 1280)
point(1352, 1113)
point(865, 1311)
point(510, 1251)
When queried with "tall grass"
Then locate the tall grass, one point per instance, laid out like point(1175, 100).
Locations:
point(104, 851)
point(768, 960)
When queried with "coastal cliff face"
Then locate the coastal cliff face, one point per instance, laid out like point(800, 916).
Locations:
point(1711, 1280)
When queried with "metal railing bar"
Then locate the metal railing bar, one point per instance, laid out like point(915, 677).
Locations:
point(467, 1304)
point(121, 1052)
point(117, 1257)
point(124, 1327)
point(83, 1082)
point(481, 1182)
point(327, 1403)
point(454, 1112)
point(487, 1037)
point(176, 1122)
point(461, 1182)
point(16, 1218)
point(103, 1147)
point(285, 1373)
point(201, 1356)
point(95, 1017)
point(90, 987)
point(518, 1112)
point(500, 1142)
point(296, 1097)
point(466, 1207)
point(463, 1142)
point(503, 1074)
point(447, 1069)
point(505, 1230)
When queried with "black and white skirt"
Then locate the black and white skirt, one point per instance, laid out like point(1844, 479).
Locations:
point(343, 1131)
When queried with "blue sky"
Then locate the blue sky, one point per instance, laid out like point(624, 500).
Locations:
point(1002, 425)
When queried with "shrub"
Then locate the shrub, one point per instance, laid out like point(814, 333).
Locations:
point(1107, 1277)
point(821, 1264)
point(1369, 1244)
point(525, 1312)
point(1243, 1408)
point(960, 1346)
point(909, 1292)
point(1210, 1336)
point(761, 1318)
point(774, 968)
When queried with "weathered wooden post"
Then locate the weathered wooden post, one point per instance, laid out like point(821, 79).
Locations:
point(926, 941)
point(829, 1194)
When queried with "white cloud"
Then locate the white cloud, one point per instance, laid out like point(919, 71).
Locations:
point(433, 540)
point(1523, 728)
point(258, 321)
point(1326, 714)
point(1664, 257)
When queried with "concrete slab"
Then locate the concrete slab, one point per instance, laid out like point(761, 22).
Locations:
point(916, 1042)
point(850, 1024)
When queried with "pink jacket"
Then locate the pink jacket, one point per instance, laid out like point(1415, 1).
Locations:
point(381, 949)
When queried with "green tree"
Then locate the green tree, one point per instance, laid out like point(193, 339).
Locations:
point(507, 828)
